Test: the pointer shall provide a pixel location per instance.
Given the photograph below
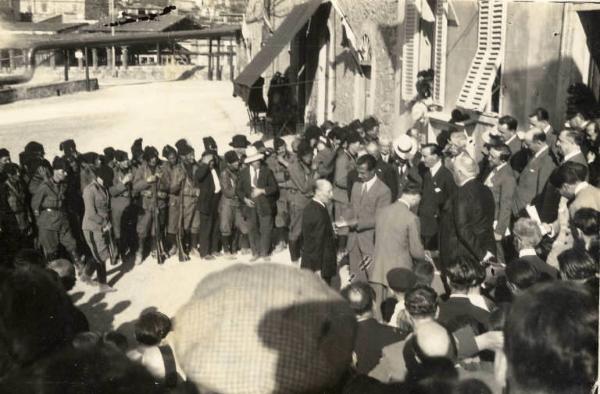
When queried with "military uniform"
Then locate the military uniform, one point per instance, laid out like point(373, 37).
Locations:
point(230, 212)
point(282, 176)
point(48, 204)
point(300, 191)
point(190, 193)
point(146, 200)
point(171, 183)
point(325, 163)
point(96, 200)
point(15, 217)
point(122, 215)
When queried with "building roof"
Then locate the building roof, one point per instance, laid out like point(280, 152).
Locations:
point(40, 27)
point(168, 22)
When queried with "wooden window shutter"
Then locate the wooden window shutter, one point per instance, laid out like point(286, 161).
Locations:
point(476, 89)
point(410, 53)
point(440, 46)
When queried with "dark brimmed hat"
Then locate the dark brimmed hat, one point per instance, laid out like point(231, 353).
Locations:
point(401, 279)
point(121, 155)
point(239, 141)
point(59, 164)
point(168, 150)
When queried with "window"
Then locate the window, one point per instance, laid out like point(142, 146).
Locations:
point(410, 48)
point(484, 71)
point(439, 52)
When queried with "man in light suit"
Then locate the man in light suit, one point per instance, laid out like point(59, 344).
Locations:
point(532, 181)
point(398, 240)
point(368, 196)
point(502, 183)
point(571, 181)
point(319, 251)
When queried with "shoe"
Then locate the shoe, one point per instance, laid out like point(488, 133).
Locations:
point(208, 257)
point(244, 252)
point(253, 258)
point(172, 251)
point(104, 288)
point(296, 262)
point(139, 259)
point(194, 253)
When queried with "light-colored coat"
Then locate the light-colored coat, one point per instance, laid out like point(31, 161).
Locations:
point(398, 241)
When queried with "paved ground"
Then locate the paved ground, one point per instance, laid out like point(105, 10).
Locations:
point(115, 116)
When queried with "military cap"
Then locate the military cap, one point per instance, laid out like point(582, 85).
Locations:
point(109, 153)
point(168, 150)
point(67, 146)
point(185, 149)
point(59, 164)
point(89, 157)
point(209, 143)
point(121, 155)
point(150, 152)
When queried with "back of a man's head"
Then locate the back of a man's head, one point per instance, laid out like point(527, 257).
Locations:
point(421, 302)
point(551, 340)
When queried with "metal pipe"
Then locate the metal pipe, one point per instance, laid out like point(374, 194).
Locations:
point(90, 40)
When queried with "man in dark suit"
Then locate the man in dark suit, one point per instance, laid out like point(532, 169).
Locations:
point(502, 183)
point(385, 171)
point(527, 236)
point(541, 119)
point(207, 178)
point(437, 190)
point(507, 128)
point(569, 146)
point(467, 228)
point(257, 188)
point(319, 251)
point(531, 184)
point(371, 336)
point(407, 164)
point(368, 197)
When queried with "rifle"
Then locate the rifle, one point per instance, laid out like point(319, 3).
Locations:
point(183, 256)
point(160, 251)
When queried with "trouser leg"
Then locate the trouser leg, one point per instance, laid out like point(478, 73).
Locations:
point(266, 228)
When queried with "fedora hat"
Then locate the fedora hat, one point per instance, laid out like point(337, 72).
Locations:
point(252, 154)
point(405, 146)
point(239, 141)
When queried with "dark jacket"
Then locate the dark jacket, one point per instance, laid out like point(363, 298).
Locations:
point(437, 192)
point(264, 204)
point(456, 307)
point(371, 338)
point(208, 200)
point(319, 251)
point(467, 228)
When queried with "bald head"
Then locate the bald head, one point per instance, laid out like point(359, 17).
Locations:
point(464, 167)
point(433, 339)
point(372, 148)
point(323, 191)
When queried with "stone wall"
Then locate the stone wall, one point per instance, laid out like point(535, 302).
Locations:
point(9, 95)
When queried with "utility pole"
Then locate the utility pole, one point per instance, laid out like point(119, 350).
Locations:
point(112, 33)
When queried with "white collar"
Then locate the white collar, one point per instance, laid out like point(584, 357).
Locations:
point(320, 202)
point(466, 180)
point(527, 252)
point(571, 155)
point(368, 184)
point(404, 202)
point(435, 168)
point(580, 187)
point(545, 148)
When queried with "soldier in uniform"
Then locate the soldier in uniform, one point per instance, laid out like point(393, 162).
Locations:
point(121, 209)
point(230, 213)
point(96, 223)
point(345, 162)
point(278, 163)
point(48, 204)
point(190, 194)
point(145, 188)
point(137, 153)
point(173, 176)
point(16, 222)
point(301, 187)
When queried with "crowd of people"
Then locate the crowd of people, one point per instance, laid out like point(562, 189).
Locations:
point(439, 268)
